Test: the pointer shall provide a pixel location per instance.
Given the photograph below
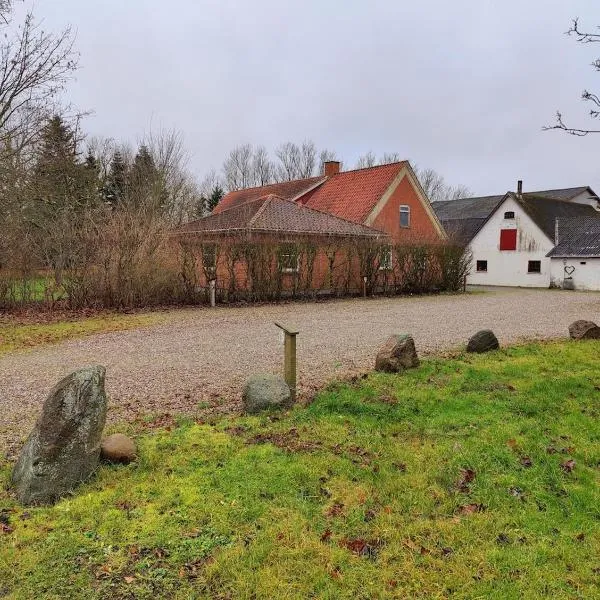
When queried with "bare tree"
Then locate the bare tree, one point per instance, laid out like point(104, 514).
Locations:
point(390, 157)
point(308, 159)
point(262, 167)
point(437, 189)
point(34, 67)
point(366, 160)
point(237, 168)
point(288, 155)
point(584, 38)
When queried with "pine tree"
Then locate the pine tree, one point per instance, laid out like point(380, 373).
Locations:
point(214, 198)
point(115, 189)
point(59, 180)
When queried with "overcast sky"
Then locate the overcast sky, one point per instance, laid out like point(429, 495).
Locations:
point(463, 87)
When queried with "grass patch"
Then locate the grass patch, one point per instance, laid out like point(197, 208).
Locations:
point(19, 336)
point(469, 478)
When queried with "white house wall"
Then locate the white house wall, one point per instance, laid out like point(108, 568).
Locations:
point(509, 267)
point(584, 272)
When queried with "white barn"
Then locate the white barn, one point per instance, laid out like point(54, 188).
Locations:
point(511, 236)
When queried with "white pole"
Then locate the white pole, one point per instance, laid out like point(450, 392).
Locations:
point(213, 286)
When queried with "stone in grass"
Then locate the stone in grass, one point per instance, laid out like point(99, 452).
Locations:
point(483, 341)
point(584, 330)
point(397, 354)
point(263, 392)
point(64, 447)
point(117, 448)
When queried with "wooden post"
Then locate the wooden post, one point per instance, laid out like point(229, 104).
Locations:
point(289, 357)
point(365, 286)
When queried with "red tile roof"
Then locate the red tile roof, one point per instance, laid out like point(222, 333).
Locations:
point(352, 195)
point(274, 214)
point(288, 190)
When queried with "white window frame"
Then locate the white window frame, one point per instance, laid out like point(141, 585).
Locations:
point(404, 210)
point(386, 260)
point(286, 258)
point(210, 268)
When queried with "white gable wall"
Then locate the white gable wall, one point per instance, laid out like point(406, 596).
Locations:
point(583, 273)
point(508, 267)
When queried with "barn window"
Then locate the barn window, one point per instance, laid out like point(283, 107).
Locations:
point(534, 266)
point(482, 266)
point(508, 239)
point(404, 215)
point(289, 259)
point(209, 257)
point(509, 214)
point(385, 260)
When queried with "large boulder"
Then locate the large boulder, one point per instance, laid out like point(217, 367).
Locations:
point(397, 354)
point(584, 330)
point(117, 448)
point(483, 341)
point(264, 392)
point(64, 447)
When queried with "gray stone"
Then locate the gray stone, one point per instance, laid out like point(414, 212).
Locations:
point(64, 447)
point(483, 341)
point(584, 330)
point(264, 392)
point(397, 354)
point(117, 448)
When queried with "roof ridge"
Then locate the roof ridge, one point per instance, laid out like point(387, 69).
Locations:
point(265, 201)
point(397, 162)
point(265, 185)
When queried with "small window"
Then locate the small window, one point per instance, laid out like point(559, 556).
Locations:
point(289, 259)
point(509, 214)
point(482, 266)
point(534, 266)
point(404, 215)
point(385, 260)
point(583, 262)
point(209, 257)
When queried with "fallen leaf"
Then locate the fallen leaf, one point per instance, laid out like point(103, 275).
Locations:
point(526, 461)
point(326, 535)
point(568, 465)
point(469, 509)
point(129, 579)
point(466, 477)
point(335, 510)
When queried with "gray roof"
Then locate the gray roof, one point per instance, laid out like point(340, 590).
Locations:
point(564, 194)
point(466, 208)
point(463, 218)
point(577, 237)
point(544, 211)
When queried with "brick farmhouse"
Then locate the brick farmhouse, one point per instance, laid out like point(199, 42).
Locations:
point(337, 231)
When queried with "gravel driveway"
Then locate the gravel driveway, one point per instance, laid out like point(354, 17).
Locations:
point(202, 356)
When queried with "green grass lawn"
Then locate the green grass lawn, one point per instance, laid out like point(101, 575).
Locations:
point(469, 478)
point(16, 336)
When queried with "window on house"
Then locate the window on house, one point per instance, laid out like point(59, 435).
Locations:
point(289, 259)
point(209, 257)
point(385, 260)
point(482, 266)
point(404, 215)
point(509, 214)
point(534, 266)
point(508, 239)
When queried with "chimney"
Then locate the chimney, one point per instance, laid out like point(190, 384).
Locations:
point(331, 167)
point(519, 189)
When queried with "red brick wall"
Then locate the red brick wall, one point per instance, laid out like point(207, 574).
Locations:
point(422, 228)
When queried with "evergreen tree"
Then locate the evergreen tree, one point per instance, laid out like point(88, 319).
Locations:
point(214, 198)
point(115, 188)
point(59, 180)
